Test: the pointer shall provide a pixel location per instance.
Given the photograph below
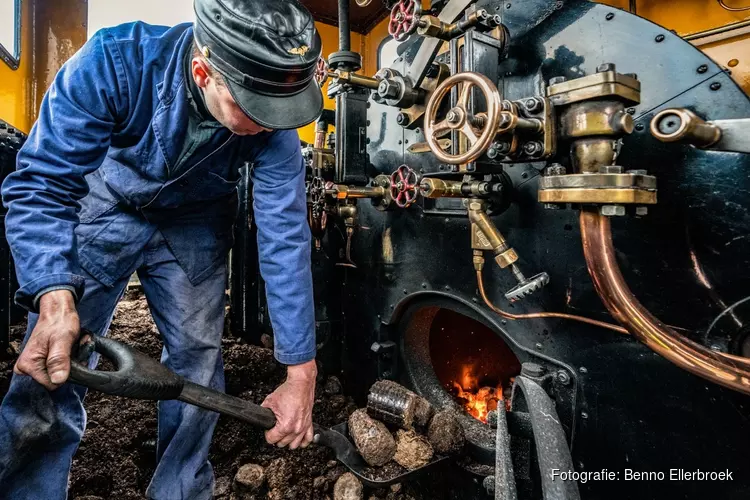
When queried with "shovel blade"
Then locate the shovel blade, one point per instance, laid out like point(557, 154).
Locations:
point(346, 453)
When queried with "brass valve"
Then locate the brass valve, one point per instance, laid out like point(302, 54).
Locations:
point(344, 192)
point(431, 26)
point(431, 187)
point(404, 17)
point(486, 236)
point(682, 125)
point(593, 116)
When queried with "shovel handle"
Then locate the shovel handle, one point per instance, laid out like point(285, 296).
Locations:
point(139, 377)
point(136, 375)
point(225, 404)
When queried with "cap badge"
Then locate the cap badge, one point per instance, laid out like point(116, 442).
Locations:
point(206, 52)
point(299, 51)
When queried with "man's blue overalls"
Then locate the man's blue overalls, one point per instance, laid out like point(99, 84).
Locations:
point(98, 194)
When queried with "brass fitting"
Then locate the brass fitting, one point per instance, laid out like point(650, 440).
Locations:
point(430, 26)
point(485, 236)
point(343, 192)
point(348, 213)
point(478, 260)
point(357, 80)
point(682, 125)
point(431, 187)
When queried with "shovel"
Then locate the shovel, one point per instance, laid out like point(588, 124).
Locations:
point(139, 377)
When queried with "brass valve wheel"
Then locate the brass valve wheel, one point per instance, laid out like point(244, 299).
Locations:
point(479, 129)
point(321, 72)
point(404, 186)
point(404, 19)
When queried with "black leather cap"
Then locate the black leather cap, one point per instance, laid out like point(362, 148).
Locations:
point(267, 51)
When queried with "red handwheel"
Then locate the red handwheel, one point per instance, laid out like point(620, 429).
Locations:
point(404, 186)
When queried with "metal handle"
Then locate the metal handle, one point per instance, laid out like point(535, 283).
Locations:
point(135, 376)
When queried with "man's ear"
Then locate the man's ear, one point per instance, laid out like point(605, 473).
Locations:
point(201, 72)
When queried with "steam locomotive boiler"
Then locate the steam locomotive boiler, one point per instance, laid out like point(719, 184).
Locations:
point(538, 215)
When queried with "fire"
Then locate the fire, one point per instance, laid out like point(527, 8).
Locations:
point(478, 401)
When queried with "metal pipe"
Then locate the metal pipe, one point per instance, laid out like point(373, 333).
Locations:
point(724, 369)
point(343, 192)
point(717, 31)
point(345, 36)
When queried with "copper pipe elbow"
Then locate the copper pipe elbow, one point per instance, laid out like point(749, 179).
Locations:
point(724, 369)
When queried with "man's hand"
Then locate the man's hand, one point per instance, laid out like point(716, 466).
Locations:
point(46, 356)
point(292, 404)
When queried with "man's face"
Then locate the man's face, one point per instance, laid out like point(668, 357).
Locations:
point(220, 102)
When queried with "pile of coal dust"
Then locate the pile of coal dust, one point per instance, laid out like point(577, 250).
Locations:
point(117, 454)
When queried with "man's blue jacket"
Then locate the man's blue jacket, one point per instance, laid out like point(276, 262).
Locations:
point(96, 179)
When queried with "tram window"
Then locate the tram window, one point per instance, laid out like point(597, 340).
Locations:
point(10, 32)
point(388, 52)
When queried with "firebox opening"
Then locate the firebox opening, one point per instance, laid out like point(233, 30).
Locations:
point(472, 362)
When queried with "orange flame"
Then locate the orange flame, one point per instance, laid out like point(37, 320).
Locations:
point(478, 401)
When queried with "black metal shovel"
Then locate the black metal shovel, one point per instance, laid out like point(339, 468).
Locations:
point(139, 377)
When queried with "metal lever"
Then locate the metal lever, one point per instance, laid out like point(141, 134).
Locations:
point(486, 236)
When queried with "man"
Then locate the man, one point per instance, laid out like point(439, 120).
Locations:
point(132, 166)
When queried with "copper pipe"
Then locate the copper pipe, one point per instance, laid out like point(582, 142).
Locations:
point(724, 369)
point(573, 317)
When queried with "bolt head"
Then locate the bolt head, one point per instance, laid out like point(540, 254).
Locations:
point(532, 148)
point(563, 377)
point(638, 171)
point(376, 347)
point(531, 104)
point(612, 210)
point(659, 38)
point(452, 116)
point(610, 16)
point(556, 80)
point(715, 86)
point(553, 206)
point(702, 68)
point(641, 211)
point(555, 169)
point(605, 67)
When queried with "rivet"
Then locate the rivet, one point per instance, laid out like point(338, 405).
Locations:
point(702, 68)
point(610, 16)
point(659, 38)
point(639, 126)
point(733, 62)
point(539, 346)
point(507, 6)
point(715, 86)
point(583, 369)
point(584, 415)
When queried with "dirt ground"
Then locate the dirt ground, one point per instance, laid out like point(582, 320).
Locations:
point(117, 455)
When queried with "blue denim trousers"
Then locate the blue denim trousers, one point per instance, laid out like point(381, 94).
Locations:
point(41, 430)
